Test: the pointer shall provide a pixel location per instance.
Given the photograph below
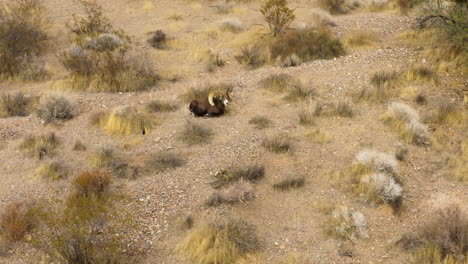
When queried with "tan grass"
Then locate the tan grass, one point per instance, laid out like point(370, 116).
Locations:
point(126, 121)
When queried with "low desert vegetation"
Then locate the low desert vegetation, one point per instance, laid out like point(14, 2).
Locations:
point(405, 120)
point(250, 173)
point(421, 73)
point(15, 104)
point(194, 133)
point(317, 136)
point(55, 108)
point(360, 39)
point(459, 164)
point(52, 170)
point(125, 121)
point(260, 122)
point(157, 39)
point(164, 161)
point(103, 157)
point(322, 17)
point(155, 106)
point(289, 182)
point(16, 220)
point(236, 192)
point(222, 242)
point(284, 83)
point(277, 144)
point(383, 86)
point(334, 6)
point(79, 146)
point(40, 146)
point(373, 176)
point(251, 56)
point(213, 61)
point(442, 239)
point(347, 224)
point(342, 109)
point(231, 24)
point(24, 40)
point(447, 112)
point(277, 15)
point(102, 59)
point(90, 184)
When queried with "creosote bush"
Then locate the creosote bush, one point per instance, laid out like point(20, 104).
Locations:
point(39, 146)
point(16, 220)
point(16, 104)
point(221, 242)
point(54, 108)
point(23, 40)
point(194, 133)
point(277, 15)
point(277, 144)
point(125, 121)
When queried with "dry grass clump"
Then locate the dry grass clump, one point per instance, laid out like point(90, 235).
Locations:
point(317, 136)
point(421, 73)
point(157, 39)
point(374, 179)
point(24, 39)
point(293, 258)
point(307, 44)
point(277, 82)
point(251, 56)
point(334, 6)
point(52, 170)
point(39, 146)
point(288, 182)
point(447, 112)
point(277, 144)
point(79, 146)
point(383, 84)
point(443, 239)
point(251, 173)
point(54, 108)
point(164, 161)
point(322, 17)
point(125, 121)
point(194, 133)
point(103, 157)
point(16, 220)
point(385, 79)
point(213, 61)
point(405, 120)
point(102, 59)
point(460, 164)
point(231, 24)
point(360, 39)
point(260, 122)
point(202, 92)
point(90, 184)
point(15, 104)
point(161, 106)
point(344, 223)
point(221, 243)
point(342, 109)
point(297, 91)
point(237, 192)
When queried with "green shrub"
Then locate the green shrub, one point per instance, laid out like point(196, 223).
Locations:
point(277, 15)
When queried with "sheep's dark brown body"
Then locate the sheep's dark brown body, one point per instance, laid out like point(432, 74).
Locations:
point(202, 107)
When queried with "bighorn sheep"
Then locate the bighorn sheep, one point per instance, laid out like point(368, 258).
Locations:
point(212, 106)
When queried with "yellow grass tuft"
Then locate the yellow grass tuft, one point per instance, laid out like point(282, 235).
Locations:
point(360, 39)
point(318, 137)
point(39, 146)
point(52, 170)
point(420, 73)
point(126, 121)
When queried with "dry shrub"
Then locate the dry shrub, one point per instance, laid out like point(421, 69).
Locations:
point(334, 6)
point(277, 82)
point(164, 161)
point(16, 220)
point(307, 44)
point(161, 106)
point(24, 39)
point(194, 133)
point(39, 146)
point(383, 86)
point(15, 104)
point(405, 120)
point(360, 39)
point(322, 17)
point(447, 112)
point(297, 91)
point(79, 146)
point(251, 173)
point(90, 184)
point(92, 23)
point(385, 79)
point(213, 61)
point(237, 192)
point(157, 39)
point(221, 243)
point(421, 73)
point(277, 144)
point(202, 92)
point(125, 121)
point(231, 24)
point(317, 136)
point(52, 170)
point(342, 109)
point(288, 182)
point(344, 223)
point(54, 108)
point(251, 56)
point(277, 15)
point(260, 122)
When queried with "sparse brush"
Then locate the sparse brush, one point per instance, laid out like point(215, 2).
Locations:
point(385, 79)
point(344, 223)
point(290, 61)
point(90, 184)
point(16, 220)
point(14, 105)
point(214, 61)
point(277, 144)
point(237, 192)
point(54, 108)
point(125, 121)
point(401, 153)
point(420, 98)
point(277, 82)
point(377, 161)
point(24, 39)
point(251, 56)
point(161, 106)
point(250, 173)
point(202, 92)
point(79, 146)
point(39, 146)
point(157, 39)
point(221, 243)
point(383, 84)
point(322, 17)
point(420, 73)
point(446, 112)
point(334, 6)
point(164, 161)
point(443, 239)
point(317, 136)
point(231, 24)
point(277, 15)
point(52, 170)
point(307, 44)
point(103, 157)
point(297, 91)
point(342, 109)
point(405, 120)
point(289, 182)
point(306, 116)
point(193, 133)
point(360, 39)
point(260, 122)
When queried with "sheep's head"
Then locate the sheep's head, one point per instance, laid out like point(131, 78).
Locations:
point(223, 98)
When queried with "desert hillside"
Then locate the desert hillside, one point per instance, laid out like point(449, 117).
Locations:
point(330, 131)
